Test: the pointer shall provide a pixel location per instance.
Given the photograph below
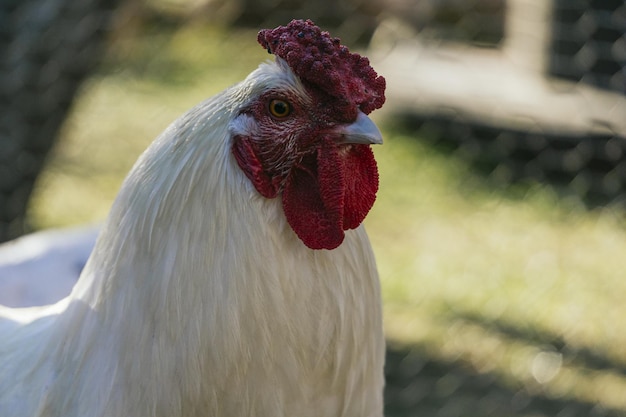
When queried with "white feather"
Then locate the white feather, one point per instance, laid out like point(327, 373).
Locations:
point(199, 300)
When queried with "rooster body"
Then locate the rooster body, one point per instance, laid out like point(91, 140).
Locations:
point(199, 299)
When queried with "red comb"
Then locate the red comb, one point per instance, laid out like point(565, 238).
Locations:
point(319, 60)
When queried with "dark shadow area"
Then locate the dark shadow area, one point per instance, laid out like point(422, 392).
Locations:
point(575, 355)
point(587, 43)
point(420, 385)
point(48, 49)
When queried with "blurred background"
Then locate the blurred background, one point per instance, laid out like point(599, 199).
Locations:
point(499, 226)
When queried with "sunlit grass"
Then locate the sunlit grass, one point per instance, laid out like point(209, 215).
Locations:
point(455, 254)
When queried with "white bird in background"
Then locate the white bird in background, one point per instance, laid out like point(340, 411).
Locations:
point(233, 276)
point(41, 268)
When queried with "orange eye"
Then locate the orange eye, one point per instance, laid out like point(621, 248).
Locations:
point(280, 108)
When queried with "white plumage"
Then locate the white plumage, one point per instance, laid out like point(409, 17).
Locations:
point(200, 300)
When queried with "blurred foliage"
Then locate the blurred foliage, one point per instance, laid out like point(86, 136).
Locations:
point(498, 301)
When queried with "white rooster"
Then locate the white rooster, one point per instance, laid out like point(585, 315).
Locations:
point(232, 276)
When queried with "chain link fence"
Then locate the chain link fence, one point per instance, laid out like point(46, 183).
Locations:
point(48, 48)
point(567, 129)
point(588, 43)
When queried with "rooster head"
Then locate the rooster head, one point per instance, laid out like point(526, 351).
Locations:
point(305, 137)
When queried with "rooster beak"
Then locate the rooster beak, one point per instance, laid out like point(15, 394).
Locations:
point(362, 131)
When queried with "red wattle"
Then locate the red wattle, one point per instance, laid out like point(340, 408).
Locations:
point(329, 192)
point(361, 185)
point(314, 208)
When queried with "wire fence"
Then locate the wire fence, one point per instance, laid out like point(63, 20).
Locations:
point(48, 51)
point(588, 43)
point(567, 129)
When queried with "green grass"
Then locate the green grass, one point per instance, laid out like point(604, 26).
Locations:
point(468, 271)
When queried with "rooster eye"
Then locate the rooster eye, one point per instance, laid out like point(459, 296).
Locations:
point(280, 108)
